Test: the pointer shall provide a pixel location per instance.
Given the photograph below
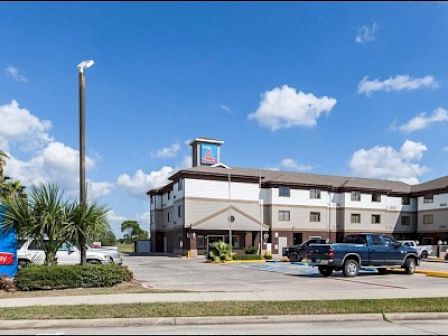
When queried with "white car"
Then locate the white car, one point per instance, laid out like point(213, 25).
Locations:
point(424, 251)
point(29, 252)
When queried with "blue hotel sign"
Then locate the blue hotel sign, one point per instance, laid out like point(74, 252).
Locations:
point(209, 154)
point(8, 252)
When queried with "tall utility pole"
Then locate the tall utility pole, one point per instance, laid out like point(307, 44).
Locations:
point(230, 219)
point(261, 217)
point(82, 130)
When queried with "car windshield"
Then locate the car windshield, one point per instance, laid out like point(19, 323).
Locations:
point(20, 243)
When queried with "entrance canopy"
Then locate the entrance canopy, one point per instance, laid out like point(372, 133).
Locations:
point(220, 221)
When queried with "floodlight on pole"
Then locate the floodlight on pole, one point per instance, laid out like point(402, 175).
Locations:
point(85, 65)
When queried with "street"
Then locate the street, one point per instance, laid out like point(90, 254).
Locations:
point(414, 327)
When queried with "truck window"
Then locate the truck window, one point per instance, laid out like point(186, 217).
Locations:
point(376, 240)
point(389, 241)
point(355, 239)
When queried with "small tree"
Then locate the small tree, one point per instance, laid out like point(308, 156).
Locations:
point(83, 221)
point(41, 216)
point(131, 229)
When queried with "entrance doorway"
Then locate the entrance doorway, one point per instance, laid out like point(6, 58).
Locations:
point(297, 238)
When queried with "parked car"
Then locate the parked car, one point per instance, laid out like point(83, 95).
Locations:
point(363, 250)
point(299, 251)
point(424, 251)
point(30, 252)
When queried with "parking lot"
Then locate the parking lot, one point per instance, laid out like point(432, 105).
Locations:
point(196, 275)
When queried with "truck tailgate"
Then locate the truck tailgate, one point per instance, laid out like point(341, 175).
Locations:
point(319, 252)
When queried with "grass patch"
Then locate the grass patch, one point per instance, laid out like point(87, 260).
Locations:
point(226, 308)
point(126, 247)
point(123, 288)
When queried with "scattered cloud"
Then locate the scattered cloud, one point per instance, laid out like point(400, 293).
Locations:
point(422, 120)
point(14, 73)
point(385, 162)
point(226, 109)
point(284, 107)
point(445, 149)
point(291, 164)
point(397, 83)
point(47, 160)
point(167, 152)
point(139, 183)
point(20, 126)
point(366, 33)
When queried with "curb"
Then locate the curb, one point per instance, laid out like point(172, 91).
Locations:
point(212, 320)
point(182, 321)
point(438, 274)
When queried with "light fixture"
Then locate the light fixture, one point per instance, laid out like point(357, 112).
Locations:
point(85, 65)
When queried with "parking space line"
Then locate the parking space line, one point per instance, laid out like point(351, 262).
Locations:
point(369, 283)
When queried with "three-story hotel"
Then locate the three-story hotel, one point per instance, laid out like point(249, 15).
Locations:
point(212, 201)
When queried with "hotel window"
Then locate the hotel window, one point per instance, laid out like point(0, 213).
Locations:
point(169, 194)
point(284, 191)
point(356, 218)
point(376, 197)
point(169, 216)
point(200, 242)
point(152, 199)
point(428, 199)
point(179, 185)
point(356, 196)
point(405, 200)
point(376, 219)
point(284, 215)
point(428, 219)
point(314, 216)
point(179, 211)
point(314, 193)
point(405, 220)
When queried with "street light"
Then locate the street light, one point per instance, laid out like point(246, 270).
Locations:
point(82, 130)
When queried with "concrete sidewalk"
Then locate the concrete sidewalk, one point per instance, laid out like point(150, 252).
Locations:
point(377, 293)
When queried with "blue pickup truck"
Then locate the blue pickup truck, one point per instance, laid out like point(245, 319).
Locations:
point(363, 250)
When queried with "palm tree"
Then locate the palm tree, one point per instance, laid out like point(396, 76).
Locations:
point(3, 157)
point(85, 219)
point(42, 216)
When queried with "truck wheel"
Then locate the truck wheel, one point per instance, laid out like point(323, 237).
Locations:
point(351, 268)
point(382, 271)
point(325, 271)
point(410, 265)
point(23, 263)
point(294, 256)
point(424, 255)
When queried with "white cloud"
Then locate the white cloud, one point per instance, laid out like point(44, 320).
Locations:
point(226, 109)
point(366, 34)
point(386, 162)
point(167, 152)
point(284, 107)
point(397, 83)
point(422, 120)
point(98, 189)
point(140, 183)
point(14, 73)
point(19, 125)
point(291, 164)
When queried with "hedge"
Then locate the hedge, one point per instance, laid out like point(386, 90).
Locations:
point(247, 257)
point(42, 277)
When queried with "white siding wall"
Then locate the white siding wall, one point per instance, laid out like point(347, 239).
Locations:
point(440, 202)
point(387, 203)
point(300, 197)
point(220, 190)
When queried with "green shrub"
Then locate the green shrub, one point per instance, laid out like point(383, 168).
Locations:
point(247, 257)
point(251, 250)
point(220, 251)
point(43, 277)
point(267, 256)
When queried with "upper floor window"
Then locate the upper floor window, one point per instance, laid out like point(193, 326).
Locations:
point(405, 220)
point(151, 199)
point(180, 185)
point(356, 218)
point(314, 193)
point(428, 219)
point(284, 215)
point(180, 211)
point(284, 191)
point(314, 216)
point(169, 194)
point(376, 219)
point(376, 197)
point(169, 216)
point(355, 196)
point(428, 199)
point(405, 200)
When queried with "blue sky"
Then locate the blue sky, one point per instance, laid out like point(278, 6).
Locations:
point(168, 72)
